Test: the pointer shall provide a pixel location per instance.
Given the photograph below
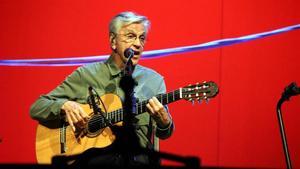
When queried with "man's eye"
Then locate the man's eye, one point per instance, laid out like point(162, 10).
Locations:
point(142, 38)
point(131, 36)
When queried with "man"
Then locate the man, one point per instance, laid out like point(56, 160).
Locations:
point(127, 30)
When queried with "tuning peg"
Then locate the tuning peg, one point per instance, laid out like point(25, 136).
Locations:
point(199, 101)
point(193, 102)
point(197, 86)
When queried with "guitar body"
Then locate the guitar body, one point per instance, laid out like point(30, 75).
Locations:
point(48, 141)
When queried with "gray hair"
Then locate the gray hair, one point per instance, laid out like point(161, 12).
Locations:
point(127, 18)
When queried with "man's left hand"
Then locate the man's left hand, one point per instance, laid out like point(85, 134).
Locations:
point(158, 112)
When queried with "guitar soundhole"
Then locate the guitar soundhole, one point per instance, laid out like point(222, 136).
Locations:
point(95, 124)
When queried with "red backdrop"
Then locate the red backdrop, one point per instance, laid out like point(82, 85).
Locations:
point(237, 128)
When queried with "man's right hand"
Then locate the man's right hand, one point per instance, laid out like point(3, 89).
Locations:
point(75, 115)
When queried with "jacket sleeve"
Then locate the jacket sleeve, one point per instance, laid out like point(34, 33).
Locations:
point(164, 133)
point(48, 107)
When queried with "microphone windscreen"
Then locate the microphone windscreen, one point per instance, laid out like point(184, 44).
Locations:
point(128, 53)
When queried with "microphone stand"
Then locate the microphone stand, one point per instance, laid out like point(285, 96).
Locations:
point(127, 83)
point(283, 135)
point(290, 90)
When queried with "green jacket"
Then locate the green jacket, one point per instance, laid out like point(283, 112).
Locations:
point(104, 77)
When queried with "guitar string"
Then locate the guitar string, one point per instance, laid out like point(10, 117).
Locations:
point(94, 122)
point(142, 104)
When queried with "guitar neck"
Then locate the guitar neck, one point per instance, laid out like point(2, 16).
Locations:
point(164, 99)
point(118, 115)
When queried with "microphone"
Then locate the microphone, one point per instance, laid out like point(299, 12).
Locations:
point(96, 108)
point(129, 53)
point(291, 90)
point(91, 90)
point(92, 102)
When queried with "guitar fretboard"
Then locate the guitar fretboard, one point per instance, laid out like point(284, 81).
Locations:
point(118, 115)
point(163, 98)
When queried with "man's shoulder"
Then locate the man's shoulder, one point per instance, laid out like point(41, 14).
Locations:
point(91, 67)
point(146, 71)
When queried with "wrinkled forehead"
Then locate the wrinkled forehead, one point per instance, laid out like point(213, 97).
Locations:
point(135, 28)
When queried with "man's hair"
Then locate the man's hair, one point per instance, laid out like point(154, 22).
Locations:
point(127, 18)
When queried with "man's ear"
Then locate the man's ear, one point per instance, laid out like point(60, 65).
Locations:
point(112, 40)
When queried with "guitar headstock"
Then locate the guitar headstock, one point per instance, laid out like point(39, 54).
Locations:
point(200, 91)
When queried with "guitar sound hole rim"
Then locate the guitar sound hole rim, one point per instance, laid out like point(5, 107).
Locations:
point(95, 125)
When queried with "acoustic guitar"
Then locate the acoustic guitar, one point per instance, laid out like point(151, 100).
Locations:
point(97, 133)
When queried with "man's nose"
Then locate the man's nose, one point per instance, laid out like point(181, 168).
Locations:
point(137, 43)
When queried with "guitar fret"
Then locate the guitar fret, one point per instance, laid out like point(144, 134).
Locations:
point(108, 117)
point(115, 116)
point(118, 116)
point(167, 98)
point(122, 115)
point(142, 105)
point(145, 102)
point(173, 96)
point(180, 93)
point(114, 119)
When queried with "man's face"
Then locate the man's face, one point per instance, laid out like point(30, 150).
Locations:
point(130, 36)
